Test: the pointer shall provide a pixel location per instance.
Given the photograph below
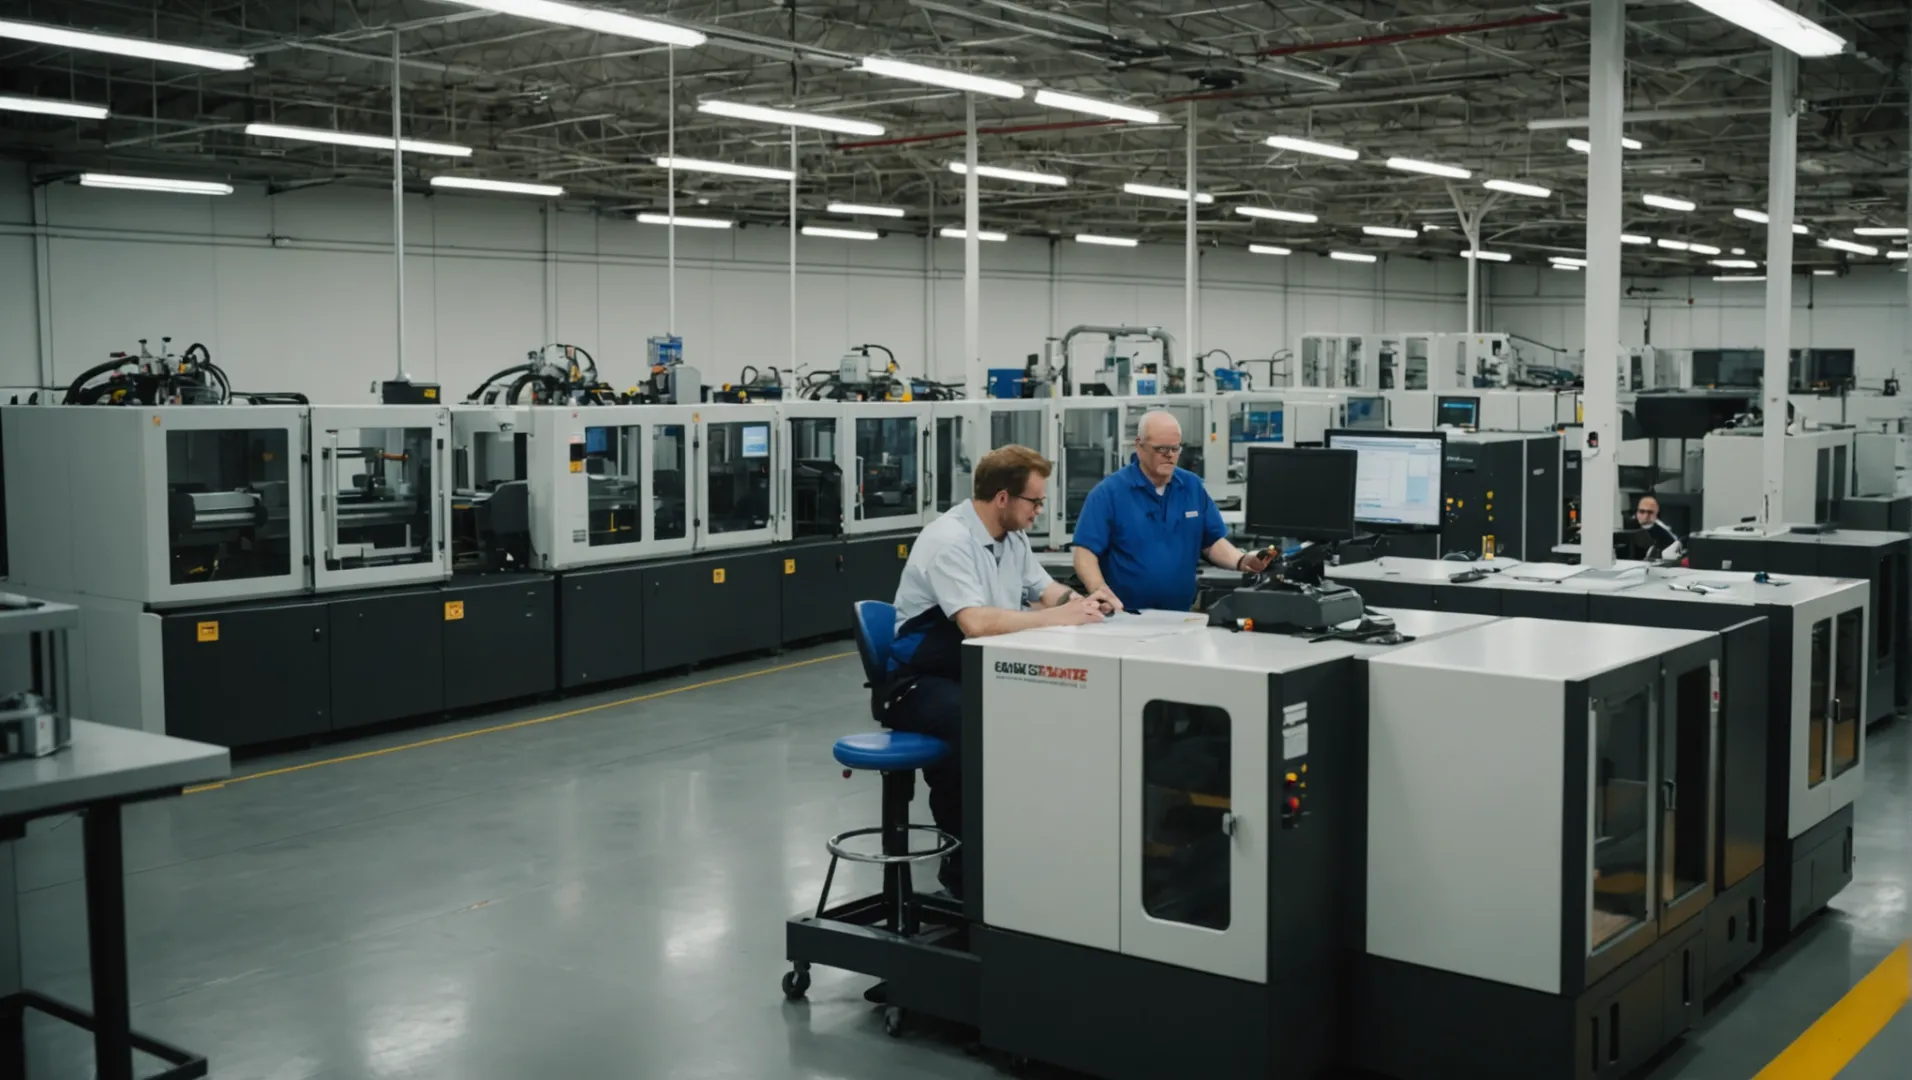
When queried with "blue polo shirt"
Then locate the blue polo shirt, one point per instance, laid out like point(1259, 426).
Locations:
point(1150, 545)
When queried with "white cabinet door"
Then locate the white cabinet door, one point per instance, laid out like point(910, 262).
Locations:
point(1196, 818)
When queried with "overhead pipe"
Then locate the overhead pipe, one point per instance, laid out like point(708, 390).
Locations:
point(1113, 333)
point(1427, 34)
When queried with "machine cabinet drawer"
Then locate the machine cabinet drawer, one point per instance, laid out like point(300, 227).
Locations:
point(1620, 1031)
point(247, 675)
point(601, 620)
point(387, 658)
point(874, 568)
point(816, 592)
point(500, 640)
point(702, 609)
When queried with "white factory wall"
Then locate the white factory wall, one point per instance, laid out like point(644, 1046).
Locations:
point(294, 291)
point(1865, 311)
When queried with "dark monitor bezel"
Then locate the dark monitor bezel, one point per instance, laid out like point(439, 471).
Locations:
point(1298, 455)
point(1440, 399)
point(1397, 528)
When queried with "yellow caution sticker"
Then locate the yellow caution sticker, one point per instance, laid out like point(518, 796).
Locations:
point(577, 466)
point(790, 566)
point(717, 576)
point(902, 551)
point(454, 610)
point(208, 631)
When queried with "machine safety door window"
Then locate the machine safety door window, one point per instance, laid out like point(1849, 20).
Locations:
point(1849, 711)
point(1622, 832)
point(669, 519)
point(615, 483)
point(228, 504)
point(1186, 819)
point(887, 467)
point(739, 476)
point(1818, 702)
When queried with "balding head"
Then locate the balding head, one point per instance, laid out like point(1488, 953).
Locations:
point(1158, 444)
point(1159, 428)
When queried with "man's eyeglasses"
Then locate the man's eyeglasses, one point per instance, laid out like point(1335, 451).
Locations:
point(1162, 451)
point(1037, 503)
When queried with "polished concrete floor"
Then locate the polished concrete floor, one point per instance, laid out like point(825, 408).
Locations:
point(603, 895)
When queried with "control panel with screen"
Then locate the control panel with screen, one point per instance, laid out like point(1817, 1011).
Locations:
point(1397, 478)
point(756, 440)
point(1367, 413)
point(1457, 412)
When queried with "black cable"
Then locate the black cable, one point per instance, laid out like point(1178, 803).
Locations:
point(73, 389)
point(480, 390)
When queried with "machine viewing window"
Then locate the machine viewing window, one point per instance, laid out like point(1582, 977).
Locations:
point(1457, 412)
point(1621, 789)
point(1300, 494)
point(668, 519)
point(1397, 478)
point(1250, 423)
point(1187, 760)
point(1818, 702)
point(1685, 737)
point(1089, 454)
point(1367, 414)
point(816, 478)
point(616, 487)
point(377, 497)
point(955, 472)
point(228, 505)
point(738, 474)
point(1849, 660)
point(1021, 427)
point(887, 467)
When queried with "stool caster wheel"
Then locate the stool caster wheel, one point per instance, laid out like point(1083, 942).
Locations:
point(893, 1021)
point(796, 982)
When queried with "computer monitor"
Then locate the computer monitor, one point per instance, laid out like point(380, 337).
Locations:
point(1457, 412)
point(1300, 494)
point(1397, 478)
point(1367, 413)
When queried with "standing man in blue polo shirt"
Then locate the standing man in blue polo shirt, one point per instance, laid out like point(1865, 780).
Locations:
point(1145, 528)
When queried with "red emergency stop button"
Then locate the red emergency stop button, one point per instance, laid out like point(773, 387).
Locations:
point(1294, 804)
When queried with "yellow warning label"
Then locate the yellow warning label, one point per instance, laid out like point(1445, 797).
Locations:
point(431, 393)
point(454, 610)
point(790, 566)
point(902, 551)
point(717, 576)
point(208, 631)
point(577, 466)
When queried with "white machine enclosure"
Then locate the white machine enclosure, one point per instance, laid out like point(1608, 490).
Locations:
point(735, 458)
point(963, 431)
point(1369, 362)
point(1087, 436)
point(1410, 410)
point(1817, 474)
point(814, 436)
point(1496, 757)
point(158, 505)
point(1248, 418)
point(889, 449)
point(1518, 410)
point(593, 479)
point(380, 516)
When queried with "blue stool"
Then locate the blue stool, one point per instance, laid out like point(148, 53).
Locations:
point(897, 755)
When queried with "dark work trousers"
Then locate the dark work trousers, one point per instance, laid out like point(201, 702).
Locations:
point(934, 707)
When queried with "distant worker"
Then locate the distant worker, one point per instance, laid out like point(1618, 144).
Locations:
point(1145, 528)
point(1662, 542)
point(971, 574)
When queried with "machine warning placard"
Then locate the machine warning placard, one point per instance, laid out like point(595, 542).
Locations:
point(790, 566)
point(1294, 732)
point(208, 631)
point(902, 551)
point(717, 576)
point(454, 610)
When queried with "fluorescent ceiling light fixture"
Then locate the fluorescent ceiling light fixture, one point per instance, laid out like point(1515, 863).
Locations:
point(1432, 228)
point(1777, 25)
point(1566, 266)
point(840, 234)
point(1740, 277)
point(1825, 273)
point(1389, 230)
point(510, 187)
point(1637, 241)
point(1352, 256)
point(954, 80)
point(1177, 194)
point(1105, 241)
point(1309, 146)
point(981, 234)
point(1870, 230)
point(1674, 245)
point(789, 118)
point(1073, 103)
point(1739, 251)
point(1667, 202)
point(1702, 249)
point(614, 23)
point(1452, 172)
point(138, 48)
point(1584, 147)
point(349, 138)
point(862, 208)
point(683, 222)
point(1566, 260)
point(1847, 245)
point(46, 107)
point(1276, 215)
point(1268, 249)
point(759, 172)
point(1020, 176)
point(1736, 264)
point(1532, 191)
point(1895, 254)
point(1760, 217)
point(1488, 256)
point(154, 183)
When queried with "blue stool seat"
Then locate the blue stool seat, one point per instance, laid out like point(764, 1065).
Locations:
point(889, 751)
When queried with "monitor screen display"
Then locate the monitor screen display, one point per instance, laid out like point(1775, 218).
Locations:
point(756, 440)
point(1367, 413)
point(1302, 494)
point(1397, 477)
point(1457, 412)
point(597, 441)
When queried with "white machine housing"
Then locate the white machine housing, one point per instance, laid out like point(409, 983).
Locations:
point(344, 437)
point(1817, 474)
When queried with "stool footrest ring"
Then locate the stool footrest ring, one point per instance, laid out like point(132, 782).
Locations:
point(945, 843)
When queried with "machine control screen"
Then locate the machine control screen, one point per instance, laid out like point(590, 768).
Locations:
point(756, 440)
point(1397, 480)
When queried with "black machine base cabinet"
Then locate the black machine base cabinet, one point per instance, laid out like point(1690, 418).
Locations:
point(1124, 1018)
point(1416, 1023)
point(1808, 871)
point(1735, 931)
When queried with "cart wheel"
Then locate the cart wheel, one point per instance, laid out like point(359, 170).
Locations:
point(796, 983)
point(893, 1021)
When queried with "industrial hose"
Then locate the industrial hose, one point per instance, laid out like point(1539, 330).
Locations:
point(474, 396)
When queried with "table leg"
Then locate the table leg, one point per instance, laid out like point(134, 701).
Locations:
point(106, 942)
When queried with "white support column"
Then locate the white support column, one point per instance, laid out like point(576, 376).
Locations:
point(973, 375)
point(1191, 275)
point(1472, 225)
point(793, 253)
point(1905, 370)
point(1599, 474)
point(43, 292)
point(670, 192)
point(398, 212)
point(551, 271)
point(1781, 176)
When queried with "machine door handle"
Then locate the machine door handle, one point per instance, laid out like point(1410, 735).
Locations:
point(1230, 823)
point(1670, 794)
